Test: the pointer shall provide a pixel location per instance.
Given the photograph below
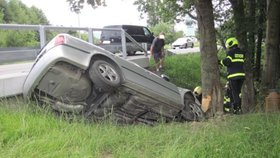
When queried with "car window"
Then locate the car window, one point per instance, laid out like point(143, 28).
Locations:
point(147, 32)
point(108, 34)
point(181, 40)
point(135, 31)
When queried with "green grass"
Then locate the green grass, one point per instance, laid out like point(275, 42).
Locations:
point(29, 131)
point(184, 70)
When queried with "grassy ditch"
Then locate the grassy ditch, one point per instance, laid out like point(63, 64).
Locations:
point(184, 70)
point(27, 130)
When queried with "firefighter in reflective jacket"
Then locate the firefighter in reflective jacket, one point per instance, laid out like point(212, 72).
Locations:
point(234, 62)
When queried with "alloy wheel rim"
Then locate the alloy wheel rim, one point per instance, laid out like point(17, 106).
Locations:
point(108, 73)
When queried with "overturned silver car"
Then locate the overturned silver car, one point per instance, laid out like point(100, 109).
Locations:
point(75, 76)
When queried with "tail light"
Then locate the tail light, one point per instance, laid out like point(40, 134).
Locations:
point(59, 40)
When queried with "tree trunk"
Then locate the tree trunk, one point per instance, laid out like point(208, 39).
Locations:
point(251, 29)
point(261, 19)
point(248, 96)
point(271, 65)
point(248, 104)
point(212, 101)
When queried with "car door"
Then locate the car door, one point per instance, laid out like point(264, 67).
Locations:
point(136, 32)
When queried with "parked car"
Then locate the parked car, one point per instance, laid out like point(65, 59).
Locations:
point(140, 34)
point(183, 42)
point(75, 76)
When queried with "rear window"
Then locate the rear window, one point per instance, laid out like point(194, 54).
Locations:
point(132, 30)
point(139, 33)
point(109, 34)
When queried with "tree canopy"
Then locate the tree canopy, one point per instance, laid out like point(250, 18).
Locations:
point(242, 19)
point(15, 12)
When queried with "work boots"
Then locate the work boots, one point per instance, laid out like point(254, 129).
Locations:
point(237, 109)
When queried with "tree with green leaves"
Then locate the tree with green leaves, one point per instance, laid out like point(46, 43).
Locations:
point(159, 11)
point(166, 10)
point(77, 5)
point(1, 16)
point(170, 34)
point(15, 12)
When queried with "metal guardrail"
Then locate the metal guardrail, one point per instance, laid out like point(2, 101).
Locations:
point(17, 54)
point(42, 33)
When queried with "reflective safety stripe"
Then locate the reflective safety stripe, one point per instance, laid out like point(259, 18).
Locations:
point(230, 58)
point(226, 100)
point(240, 56)
point(236, 74)
point(238, 60)
point(235, 60)
point(221, 62)
point(227, 109)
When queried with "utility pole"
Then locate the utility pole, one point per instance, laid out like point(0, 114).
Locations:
point(76, 7)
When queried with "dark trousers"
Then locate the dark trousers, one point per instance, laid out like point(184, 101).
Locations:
point(236, 85)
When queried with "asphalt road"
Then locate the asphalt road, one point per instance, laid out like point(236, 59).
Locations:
point(15, 68)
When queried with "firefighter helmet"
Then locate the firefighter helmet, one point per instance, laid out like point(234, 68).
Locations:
point(197, 90)
point(231, 42)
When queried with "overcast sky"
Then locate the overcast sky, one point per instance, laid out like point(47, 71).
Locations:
point(116, 12)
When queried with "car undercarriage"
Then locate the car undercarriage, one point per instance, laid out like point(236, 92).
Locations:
point(71, 91)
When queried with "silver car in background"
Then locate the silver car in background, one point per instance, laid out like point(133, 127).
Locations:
point(183, 43)
point(74, 76)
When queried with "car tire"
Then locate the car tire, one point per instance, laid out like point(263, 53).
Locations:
point(192, 111)
point(192, 45)
point(105, 75)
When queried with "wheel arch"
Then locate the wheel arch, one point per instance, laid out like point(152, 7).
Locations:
point(106, 58)
point(186, 92)
point(190, 95)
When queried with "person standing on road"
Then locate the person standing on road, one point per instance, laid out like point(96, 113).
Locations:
point(234, 62)
point(157, 50)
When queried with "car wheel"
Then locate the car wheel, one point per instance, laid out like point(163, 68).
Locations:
point(192, 110)
point(192, 45)
point(105, 75)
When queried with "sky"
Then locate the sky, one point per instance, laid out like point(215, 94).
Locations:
point(116, 12)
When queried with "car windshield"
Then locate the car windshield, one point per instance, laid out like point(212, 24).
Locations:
point(181, 40)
